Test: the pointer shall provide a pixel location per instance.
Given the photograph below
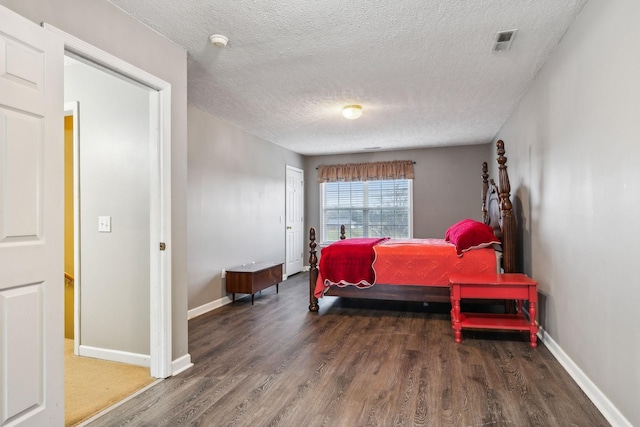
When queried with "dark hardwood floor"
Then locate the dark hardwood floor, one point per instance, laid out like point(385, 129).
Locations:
point(355, 363)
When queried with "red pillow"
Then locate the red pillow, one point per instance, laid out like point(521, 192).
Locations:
point(469, 234)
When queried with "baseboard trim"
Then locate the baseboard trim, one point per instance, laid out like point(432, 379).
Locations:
point(181, 364)
point(115, 355)
point(198, 311)
point(599, 399)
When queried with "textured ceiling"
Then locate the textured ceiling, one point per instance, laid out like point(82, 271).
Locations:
point(423, 70)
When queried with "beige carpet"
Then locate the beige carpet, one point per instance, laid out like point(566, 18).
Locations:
point(92, 385)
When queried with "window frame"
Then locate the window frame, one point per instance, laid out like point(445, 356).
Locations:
point(323, 233)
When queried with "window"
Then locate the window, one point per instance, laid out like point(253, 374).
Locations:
point(366, 209)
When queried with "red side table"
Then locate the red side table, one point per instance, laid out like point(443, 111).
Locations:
point(512, 286)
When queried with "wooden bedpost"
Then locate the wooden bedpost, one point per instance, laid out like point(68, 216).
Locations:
point(508, 225)
point(313, 271)
point(343, 232)
point(485, 188)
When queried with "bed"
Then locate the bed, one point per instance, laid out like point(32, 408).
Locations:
point(369, 268)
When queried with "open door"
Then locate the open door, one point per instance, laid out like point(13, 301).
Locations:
point(31, 224)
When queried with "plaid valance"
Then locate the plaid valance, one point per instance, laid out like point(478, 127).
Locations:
point(398, 169)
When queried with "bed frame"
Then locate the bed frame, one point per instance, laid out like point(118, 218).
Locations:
point(496, 211)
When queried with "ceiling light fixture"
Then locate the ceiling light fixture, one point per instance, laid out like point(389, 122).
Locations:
point(352, 112)
point(218, 40)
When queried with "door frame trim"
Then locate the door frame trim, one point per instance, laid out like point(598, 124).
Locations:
point(160, 195)
point(72, 108)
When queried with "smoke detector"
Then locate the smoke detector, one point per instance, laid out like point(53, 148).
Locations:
point(503, 40)
point(218, 40)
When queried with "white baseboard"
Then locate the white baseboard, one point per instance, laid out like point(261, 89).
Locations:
point(205, 308)
point(115, 355)
point(181, 364)
point(198, 311)
point(604, 405)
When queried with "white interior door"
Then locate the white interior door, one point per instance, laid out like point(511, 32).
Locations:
point(31, 224)
point(294, 219)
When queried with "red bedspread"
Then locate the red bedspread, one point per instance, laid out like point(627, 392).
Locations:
point(428, 262)
point(422, 262)
point(349, 262)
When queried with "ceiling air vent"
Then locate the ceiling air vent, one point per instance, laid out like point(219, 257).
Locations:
point(503, 40)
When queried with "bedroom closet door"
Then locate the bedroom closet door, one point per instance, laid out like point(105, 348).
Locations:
point(294, 220)
point(31, 224)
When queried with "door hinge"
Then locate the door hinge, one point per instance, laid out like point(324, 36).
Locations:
point(163, 246)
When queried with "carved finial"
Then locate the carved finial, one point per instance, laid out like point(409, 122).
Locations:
point(505, 186)
point(501, 159)
point(343, 232)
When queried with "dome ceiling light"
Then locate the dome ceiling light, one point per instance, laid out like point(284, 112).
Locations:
point(352, 112)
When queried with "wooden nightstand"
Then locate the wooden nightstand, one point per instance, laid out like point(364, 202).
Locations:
point(513, 286)
point(252, 278)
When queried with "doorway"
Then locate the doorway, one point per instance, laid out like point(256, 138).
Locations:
point(157, 153)
point(113, 207)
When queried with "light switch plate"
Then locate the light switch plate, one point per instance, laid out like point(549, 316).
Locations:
point(104, 224)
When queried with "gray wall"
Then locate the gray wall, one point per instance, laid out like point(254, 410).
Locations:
point(236, 202)
point(114, 181)
point(103, 25)
point(574, 159)
point(446, 189)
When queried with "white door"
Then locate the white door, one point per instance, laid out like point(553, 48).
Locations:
point(294, 219)
point(31, 224)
